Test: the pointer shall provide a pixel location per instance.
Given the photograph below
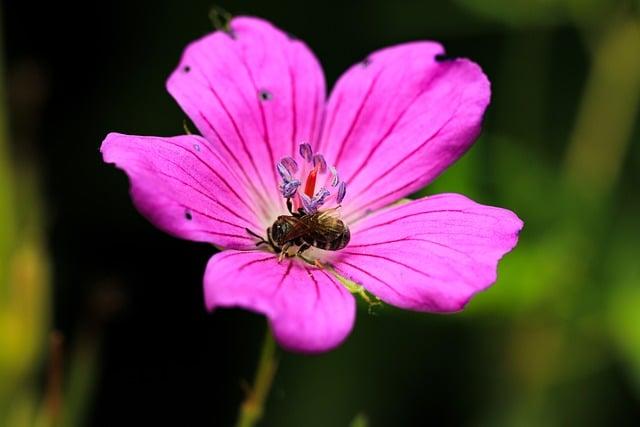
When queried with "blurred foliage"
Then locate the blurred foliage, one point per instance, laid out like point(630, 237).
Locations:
point(26, 340)
point(24, 281)
point(555, 342)
point(521, 13)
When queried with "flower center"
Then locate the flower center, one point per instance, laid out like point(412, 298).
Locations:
point(311, 171)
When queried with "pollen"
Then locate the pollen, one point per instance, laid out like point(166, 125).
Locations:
point(322, 185)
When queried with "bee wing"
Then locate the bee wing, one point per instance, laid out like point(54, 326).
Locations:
point(298, 228)
point(325, 225)
point(332, 212)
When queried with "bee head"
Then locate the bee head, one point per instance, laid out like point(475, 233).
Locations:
point(279, 230)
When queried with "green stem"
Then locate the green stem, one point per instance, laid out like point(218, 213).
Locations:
point(253, 406)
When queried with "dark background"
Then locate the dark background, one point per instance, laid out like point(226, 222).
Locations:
point(546, 346)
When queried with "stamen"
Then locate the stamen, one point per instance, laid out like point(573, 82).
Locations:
point(306, 203)
point(290, 164)
point(318, 160)
point(311, 205)
point(298, 182)
point(321, 196)
point(306, 151)
point(289, 184)
point(342, 191)
point(284, 172)
point(335, 179)
point(288, 189)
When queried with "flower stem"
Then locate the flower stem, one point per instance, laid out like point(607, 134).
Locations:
point(253, 405)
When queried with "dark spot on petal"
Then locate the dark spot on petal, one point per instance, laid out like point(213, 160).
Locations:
point(441, 57)
point(186, 69)
point(265, 95)
point(366, 62)
point(188, 215)
point(196, 147)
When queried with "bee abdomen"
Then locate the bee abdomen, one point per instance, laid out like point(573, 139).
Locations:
point(332, 245)
point(341, 241)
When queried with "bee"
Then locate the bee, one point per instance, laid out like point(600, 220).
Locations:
point(323, 230)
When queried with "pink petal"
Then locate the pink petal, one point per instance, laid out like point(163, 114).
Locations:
point(255, 93)
point(183, 187)
point(398, 119)
point(431, 254)
point(308, 309)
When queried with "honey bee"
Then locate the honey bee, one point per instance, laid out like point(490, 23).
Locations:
point(323, 230)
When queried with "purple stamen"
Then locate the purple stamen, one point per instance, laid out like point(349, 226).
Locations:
point(321, 196)
point(284, 172)
point(293, 185)
point(318, 159)
point(306, 203)
point(306, 151)
point(289, 188)
point(335, 179)
point(342, 191)
point(290, 164)
point(311, 206)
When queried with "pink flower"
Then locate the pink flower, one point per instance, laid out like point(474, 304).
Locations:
point(392, 124)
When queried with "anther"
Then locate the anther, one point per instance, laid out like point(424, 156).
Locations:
point(342, 191)
point(298, 181)
point(311, 205)
point(319, 161)
point(289, 188)
point(284, 172)
point(306, 151)
point(321, 196)
point(335, 179)
point(306, 203)
point(290, 164)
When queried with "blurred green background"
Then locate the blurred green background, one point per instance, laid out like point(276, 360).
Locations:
point(102, 321)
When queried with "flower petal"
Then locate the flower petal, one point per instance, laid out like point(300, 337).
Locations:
point(183, 187)
point(308, 309)
point(398, 119)
point(255, 93)
point(431, 254)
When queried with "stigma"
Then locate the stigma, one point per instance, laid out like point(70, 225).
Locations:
point(309, 182)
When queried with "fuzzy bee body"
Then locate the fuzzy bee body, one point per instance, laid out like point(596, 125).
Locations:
point(322, 230)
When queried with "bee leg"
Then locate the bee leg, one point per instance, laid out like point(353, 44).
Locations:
point(303, 248)
point(251, 233)
point(283, 252)
point(257, 236)
point(314, 262)
point(290, 206)
point(262, 241)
